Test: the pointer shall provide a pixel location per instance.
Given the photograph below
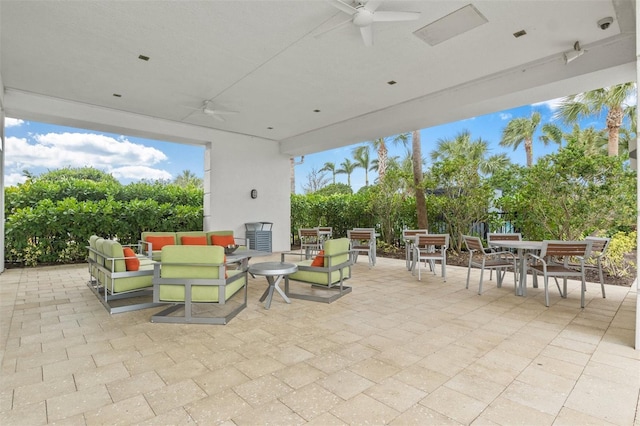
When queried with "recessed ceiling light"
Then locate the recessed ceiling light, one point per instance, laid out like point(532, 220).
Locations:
point(143, 57)
point(519, 33)
point(117, 95)
point(391, 82)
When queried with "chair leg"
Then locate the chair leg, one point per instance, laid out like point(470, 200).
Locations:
point(582, 289)
point(601, 278)
point(480, 285)
point(468, 273)
point(546, 290)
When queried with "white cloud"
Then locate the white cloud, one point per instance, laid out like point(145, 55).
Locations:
point(13, 179)
point(505, 116)
point(140, 172)
point(57, 150)
point(552, 104)
point(12, 122)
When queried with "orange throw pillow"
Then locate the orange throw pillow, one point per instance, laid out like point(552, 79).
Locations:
point(223, 240)
point(194, 241)
point(159, 242)
point(131, 260)
point(319, 259)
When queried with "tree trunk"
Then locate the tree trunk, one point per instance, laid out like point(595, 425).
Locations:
point(528, 148)
point(382, 160)
point(421, 202)
point(614, 121)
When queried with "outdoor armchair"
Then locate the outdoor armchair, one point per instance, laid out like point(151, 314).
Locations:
point(482, 258)
point(121, 280)
point(327, 278)
point(194, 280)
point(554, 261)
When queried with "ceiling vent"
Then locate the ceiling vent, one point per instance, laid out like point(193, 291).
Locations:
point(451, 25)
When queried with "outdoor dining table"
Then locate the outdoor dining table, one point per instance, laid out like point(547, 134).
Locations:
point(522, 247)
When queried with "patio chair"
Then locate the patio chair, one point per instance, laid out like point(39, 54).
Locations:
point(554, 261)
point(502, 236)
point(310, 241)
point(194, 279)
point(431, 248)
point(498, 260)
point(599, 247)
point(327, 278)
point(363, 240)
point(407, 236)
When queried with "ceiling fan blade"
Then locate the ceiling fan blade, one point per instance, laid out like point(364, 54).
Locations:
point(372, 5)
point(341, 24)
point(367, 35)
point(343, 6)
point(384, 16)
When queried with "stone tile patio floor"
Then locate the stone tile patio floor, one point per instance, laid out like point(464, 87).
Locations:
point(395, 351)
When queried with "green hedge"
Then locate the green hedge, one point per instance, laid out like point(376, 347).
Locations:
point(58, 232)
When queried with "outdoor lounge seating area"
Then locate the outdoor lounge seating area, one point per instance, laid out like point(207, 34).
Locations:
point(395, 351)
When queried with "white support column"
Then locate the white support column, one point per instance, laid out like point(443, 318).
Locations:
point(633, 152)
point(1, 187)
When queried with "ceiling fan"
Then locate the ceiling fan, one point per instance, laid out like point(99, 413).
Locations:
point(364, 13)
point(217, 113)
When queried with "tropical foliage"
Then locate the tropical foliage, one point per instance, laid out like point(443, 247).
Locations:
point(50, 218)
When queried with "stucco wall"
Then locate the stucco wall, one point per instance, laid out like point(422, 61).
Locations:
point(236, 164)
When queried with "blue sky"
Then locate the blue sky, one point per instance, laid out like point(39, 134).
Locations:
point(39, 147)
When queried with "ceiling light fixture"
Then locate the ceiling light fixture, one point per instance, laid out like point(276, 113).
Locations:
point(573, 54)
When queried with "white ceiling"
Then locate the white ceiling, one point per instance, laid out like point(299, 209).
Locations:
point(62, 62)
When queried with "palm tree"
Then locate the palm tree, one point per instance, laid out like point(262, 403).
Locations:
point(188, 178)
point(347, 167)
point(523, 129)
point(473, 150)
point(594, 141)
point(329, 167)
point(421, 201)
point(361, 155)
point(611, 99)
point(380, 145)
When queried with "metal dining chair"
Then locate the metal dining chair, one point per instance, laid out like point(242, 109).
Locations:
point(502, 236)
point(310, 241)
point(408, 237)
point(363, 241)
point(498, 260)
point(431, 248)
point(554, 261)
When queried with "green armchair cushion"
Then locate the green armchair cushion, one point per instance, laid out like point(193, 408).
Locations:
point(114, 262)
point(336, 252)
point(197, 262)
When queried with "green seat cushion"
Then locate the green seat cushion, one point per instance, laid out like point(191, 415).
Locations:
point(201, 293)
point(316, 277)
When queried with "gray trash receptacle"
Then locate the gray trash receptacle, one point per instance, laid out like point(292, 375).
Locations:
point(259, 235)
